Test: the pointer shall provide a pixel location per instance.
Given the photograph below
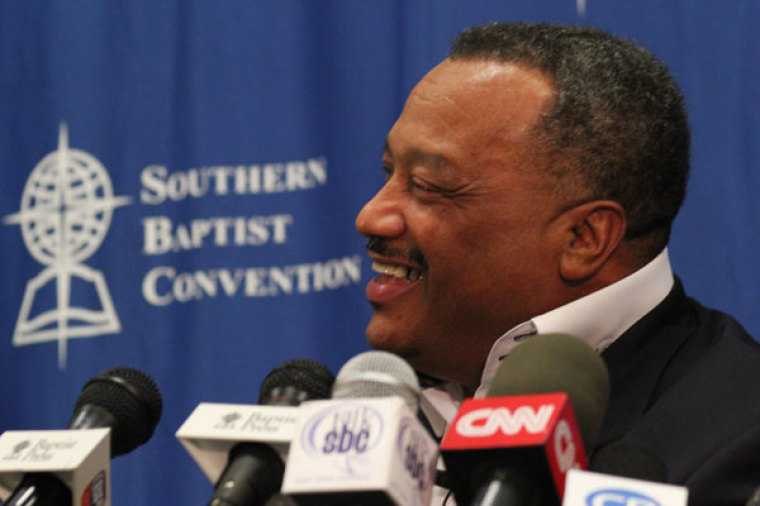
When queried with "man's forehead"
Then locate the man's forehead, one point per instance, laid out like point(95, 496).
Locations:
point(472, 104)
point(480, 74)
point(492, 94)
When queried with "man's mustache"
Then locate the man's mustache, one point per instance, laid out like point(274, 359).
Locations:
point(380, 246)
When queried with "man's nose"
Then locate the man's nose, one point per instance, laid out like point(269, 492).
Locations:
point(382, 216)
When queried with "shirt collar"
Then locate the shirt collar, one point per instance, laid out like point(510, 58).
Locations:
point(598, 318)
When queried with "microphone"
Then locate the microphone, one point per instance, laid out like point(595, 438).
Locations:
point(365, 445)
point(516, 446)
point(587, 487)
point(254, 469)
point(295, 381)
point(377, 374)
point(123, 399)
point(623, 472)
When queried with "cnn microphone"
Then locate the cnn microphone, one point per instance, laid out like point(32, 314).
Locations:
point(254, 469)
point(515, 447)
point(365, 445)
point(123, 399)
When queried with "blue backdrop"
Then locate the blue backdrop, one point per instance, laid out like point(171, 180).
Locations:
point(215, 154)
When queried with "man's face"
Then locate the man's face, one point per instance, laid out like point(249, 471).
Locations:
point(463, 227)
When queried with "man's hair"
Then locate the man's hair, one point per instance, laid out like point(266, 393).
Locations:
point(616, 126)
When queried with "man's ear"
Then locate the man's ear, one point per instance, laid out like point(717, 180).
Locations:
point(594, 230)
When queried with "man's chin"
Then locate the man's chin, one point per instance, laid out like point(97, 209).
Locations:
point(422, 363)
point(392, 344)
point(389, 344)
point(412, 356)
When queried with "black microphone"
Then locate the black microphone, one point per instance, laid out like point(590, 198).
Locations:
point(123, 399)
point(254, 470)
point(296, 381)
point(515, 446)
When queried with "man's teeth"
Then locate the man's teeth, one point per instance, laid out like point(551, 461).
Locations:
point(397, 271)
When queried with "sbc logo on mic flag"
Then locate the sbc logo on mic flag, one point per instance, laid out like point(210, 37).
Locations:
point(362, 451)
point(341, 435)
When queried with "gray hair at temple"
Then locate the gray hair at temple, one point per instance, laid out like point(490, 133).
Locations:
point(616, 128)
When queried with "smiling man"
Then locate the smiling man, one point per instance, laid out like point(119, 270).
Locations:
point(531, 182)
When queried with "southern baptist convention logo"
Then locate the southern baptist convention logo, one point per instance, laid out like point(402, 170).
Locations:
point(343, 436)
point(66, 209)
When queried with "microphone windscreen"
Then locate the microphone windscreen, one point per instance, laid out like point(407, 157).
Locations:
point(548, 363)
point(134, 401)
point(301, 378)
point(377, 374)
point(629, 459)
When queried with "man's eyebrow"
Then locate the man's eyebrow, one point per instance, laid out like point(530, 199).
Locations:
point(434, 160)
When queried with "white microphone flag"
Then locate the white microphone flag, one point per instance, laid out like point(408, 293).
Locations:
point(356, 446)
point(585, 488)
point(79, 458)
point(212, 429)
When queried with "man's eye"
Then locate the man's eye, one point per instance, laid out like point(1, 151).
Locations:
point(416, 184)
point(387, 171)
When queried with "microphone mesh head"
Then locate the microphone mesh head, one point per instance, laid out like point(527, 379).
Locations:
point(133, 399)
point(558, 363)
point(377, 374)
point(309, 378)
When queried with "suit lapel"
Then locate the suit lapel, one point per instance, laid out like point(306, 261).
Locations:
point(638, 360)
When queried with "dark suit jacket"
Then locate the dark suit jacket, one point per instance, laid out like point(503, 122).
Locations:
point(685, 380)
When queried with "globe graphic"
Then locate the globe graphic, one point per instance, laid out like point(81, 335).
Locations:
point(67, 205)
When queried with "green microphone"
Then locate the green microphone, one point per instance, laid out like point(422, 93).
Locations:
point(547, 363)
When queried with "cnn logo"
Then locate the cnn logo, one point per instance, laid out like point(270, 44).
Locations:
point(486, 422)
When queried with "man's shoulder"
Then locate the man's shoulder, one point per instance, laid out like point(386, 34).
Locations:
point(723, 355)
point(722, 343)
point(704, 419)
point(713, 356)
